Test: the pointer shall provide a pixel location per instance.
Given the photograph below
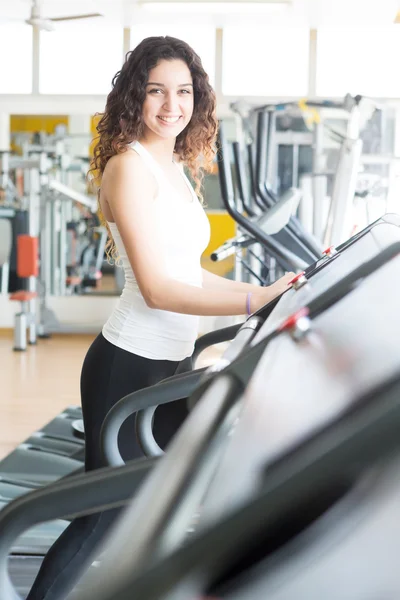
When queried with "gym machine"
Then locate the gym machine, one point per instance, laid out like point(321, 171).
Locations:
point(308, 487)
point(330, 460)
point(71, 248)
point(214, 418)
point(259, 171)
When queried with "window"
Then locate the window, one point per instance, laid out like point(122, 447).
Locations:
point(201, 39)
point(80, 58)
point(358, 61)
point(16, 61)
point(265, 61)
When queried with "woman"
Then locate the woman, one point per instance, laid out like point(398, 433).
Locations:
point(159, 115)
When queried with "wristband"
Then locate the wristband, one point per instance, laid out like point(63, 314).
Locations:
point(248, 308)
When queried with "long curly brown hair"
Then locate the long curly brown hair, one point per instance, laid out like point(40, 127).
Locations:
point(122, 121)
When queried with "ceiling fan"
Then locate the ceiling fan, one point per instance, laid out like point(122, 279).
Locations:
point(48, 23)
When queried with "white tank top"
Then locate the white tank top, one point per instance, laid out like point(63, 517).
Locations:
point(184, 233)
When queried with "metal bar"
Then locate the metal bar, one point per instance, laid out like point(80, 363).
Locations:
point(295, 166)
point(23, 163)
point(169, 390)
point(263, 119)
point(231, 246)
point(241, 178)
point(63, 250)
point(75, 496)
point(46, 255)
point(250, 270)
point(57, 186)
point(271, 141)
point(254, 255)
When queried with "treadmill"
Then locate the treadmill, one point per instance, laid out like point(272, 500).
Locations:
point(217, 416)
point(307, 485)
point(340, 266)
point(304, 498)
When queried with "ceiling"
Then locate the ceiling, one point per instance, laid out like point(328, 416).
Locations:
point(312, 13)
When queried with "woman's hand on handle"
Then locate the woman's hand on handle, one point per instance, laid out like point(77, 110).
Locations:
point(269, 293)
point(282, 284)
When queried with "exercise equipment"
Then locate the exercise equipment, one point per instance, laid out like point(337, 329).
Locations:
point(219, 402)
point(307, 486)
point(272, 228)
point(71, 240)
point(334, 265)
point(5, 251)
point(46, 456)
point(123, 484)
point(318, 479)
point(27, 269)
point(254, 159)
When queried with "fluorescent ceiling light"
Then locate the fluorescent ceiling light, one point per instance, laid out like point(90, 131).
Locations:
point(216, 7)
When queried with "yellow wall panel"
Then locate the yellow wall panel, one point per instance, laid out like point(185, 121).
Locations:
point(93, 128)
point(223, 227)
point(95, 120)
point(41, 123)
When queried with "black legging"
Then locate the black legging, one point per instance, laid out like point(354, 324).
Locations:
point(108, 374)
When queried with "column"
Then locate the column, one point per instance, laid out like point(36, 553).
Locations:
point(5, 139)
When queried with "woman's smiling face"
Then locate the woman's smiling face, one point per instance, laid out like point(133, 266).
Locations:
point(169, 102)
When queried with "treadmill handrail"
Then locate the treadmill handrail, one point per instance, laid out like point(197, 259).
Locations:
point(67, 498)
point(261, 158)
point(242, 340)
point(239, 166)
point(245, 332)
point(250, 162)
point(225, 334)
point(144, 402)
point(252, 175)
point(168, 390)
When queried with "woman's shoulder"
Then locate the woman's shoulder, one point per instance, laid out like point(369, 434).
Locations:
point(127, 158)
point(128, 165)
point(129, 170)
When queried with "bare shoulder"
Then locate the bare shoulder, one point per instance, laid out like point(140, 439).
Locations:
point(126, 177)
point(126, 163)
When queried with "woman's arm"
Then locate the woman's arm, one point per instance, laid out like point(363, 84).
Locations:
point(130, 189)
point(215, 282)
